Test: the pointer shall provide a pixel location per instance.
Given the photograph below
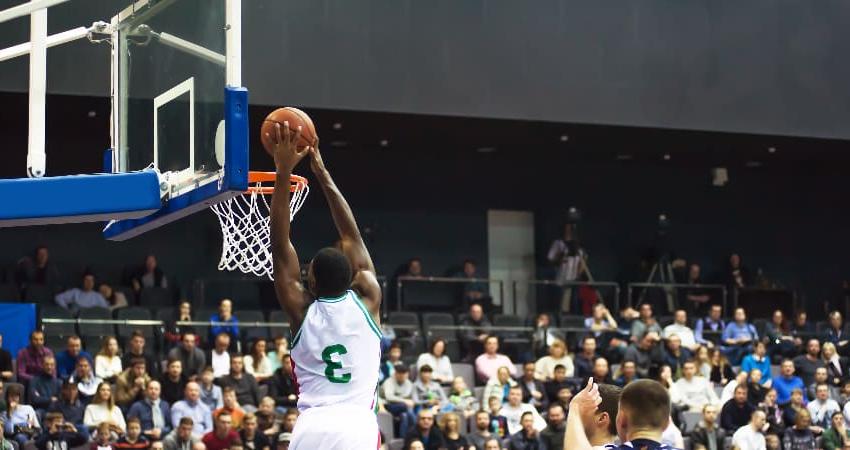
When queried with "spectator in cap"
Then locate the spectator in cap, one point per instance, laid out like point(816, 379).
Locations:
point(397, 391)
point(283, 440)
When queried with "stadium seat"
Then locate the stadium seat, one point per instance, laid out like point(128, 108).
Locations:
point(385, 424)
point(95, 330)
point(40, 293)
point(465, 371)
point(453, 350)
point(58, 329)
point(156, 297)
point(405, 323)
point(429, 320)
point(690, 419)
point(571, 321)
point(278, 330)
point(250, 333)
point(203, 315)
point(134, 313)
point(513, 342)
point(9, 292)
point(245, 294)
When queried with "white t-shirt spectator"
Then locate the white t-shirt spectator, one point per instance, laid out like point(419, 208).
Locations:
point(441, 366)
point(264, 370)
point(107, 366)
point(514, 414)
point(220, 363)
point(746, 438)
point(684, 333)
point(100, 412)
point(544, 368)
point(695, 393)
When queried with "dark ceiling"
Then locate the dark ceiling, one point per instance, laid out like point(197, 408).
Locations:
point(78, 132)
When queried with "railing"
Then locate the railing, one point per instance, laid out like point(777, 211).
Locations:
point(161, 323)
point(402, 279)
point(594, 284)
point(668, 287)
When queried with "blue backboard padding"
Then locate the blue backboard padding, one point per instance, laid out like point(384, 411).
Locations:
point(233, 182)
point(78, 198)
point(17, 321)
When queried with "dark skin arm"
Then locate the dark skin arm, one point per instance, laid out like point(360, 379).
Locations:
point(365, 282)
point(287, 270)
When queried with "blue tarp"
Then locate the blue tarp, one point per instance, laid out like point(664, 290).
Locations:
point(17, 321)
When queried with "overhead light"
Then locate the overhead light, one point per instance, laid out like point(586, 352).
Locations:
point(384, 143)
point(337, 125)
point(485, 149)
point(719, 176)
point(339, 144)
point(564, 138)
point(771, 149)
point(753, 164)
point(92, 114)
point(624, 157)
point(666, 157)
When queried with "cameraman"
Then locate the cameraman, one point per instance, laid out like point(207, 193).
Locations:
point(567, 254)
point(59, 435)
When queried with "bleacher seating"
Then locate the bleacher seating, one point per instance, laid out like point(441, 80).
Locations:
point(93, 333)
point(133, 313)
point(40, 293)
point(278, 315)
point(429, 320)
point(250, 333)
point(156, 297)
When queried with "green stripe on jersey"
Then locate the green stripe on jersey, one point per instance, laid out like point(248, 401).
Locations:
point(369, 318)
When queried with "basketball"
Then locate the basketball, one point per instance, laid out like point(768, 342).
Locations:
point(296, 118)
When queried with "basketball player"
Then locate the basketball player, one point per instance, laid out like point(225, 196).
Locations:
point(336, 344)
point(642, 416)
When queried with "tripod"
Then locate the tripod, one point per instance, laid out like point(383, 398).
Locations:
point(664, 272)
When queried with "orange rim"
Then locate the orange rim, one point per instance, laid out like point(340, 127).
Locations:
point(297, 182)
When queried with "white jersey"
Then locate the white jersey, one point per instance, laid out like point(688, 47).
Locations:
point(336, 354)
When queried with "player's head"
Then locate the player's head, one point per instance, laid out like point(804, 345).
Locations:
point(603, 428)
point(329, 274)
point(644, 407)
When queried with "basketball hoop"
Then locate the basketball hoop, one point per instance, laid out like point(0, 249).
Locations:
point(244, 221)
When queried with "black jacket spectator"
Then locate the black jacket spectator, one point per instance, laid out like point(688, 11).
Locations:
point(798, 439)
point(837, 373)
point(700, 436)
point(552, 387)
point(42, 389)
point(434, 438)
point(72, 412)
point(718, 374)
point(553, 438)
point(583, 365)
point(172, 391)
point(247, 390)
point(734, 416)
point(281, 388)
point(520, 441)
point(59, 440)
point(526, 393)
point(151, 364)
point(805, 368)
point(6, 363)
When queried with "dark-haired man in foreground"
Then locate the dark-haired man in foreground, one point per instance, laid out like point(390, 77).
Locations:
point(336, 348)
point(643, 414)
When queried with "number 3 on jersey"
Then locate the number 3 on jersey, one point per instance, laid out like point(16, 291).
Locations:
point(332, 366)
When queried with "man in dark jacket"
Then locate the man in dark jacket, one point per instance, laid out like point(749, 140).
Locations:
point(533, 391)
point(154, 414)
point(527, 438)
point(59, 435)
point(737, 411)
point(282, 386)
point(553, 435)
point(425, 431)
point(45, 386)
point(478, 329)
point(707, 434)
point(245, 385)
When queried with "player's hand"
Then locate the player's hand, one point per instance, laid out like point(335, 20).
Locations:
point(586, 401)
point(316, 161)
point(285, 142)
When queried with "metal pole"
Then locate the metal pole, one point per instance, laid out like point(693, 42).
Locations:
point(233, 42)
point(52, 41)
point(27, 8)
point(398, 295)
point(36, 157)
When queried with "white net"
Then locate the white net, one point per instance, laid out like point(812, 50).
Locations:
point(244, 221)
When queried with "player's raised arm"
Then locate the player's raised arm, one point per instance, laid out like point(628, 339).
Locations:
point(287, 269)
point(351, 242)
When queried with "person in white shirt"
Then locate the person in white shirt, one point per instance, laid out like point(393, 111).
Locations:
point(822, 407)
point(219, 356)
point(514, 409)
point(544, 368)
point(680, 328)
point(107, 363)
point(692, 391)
point(750, 437)
point(257, 363)
point(102, 409)
point(438, 361)
point(672, 436)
